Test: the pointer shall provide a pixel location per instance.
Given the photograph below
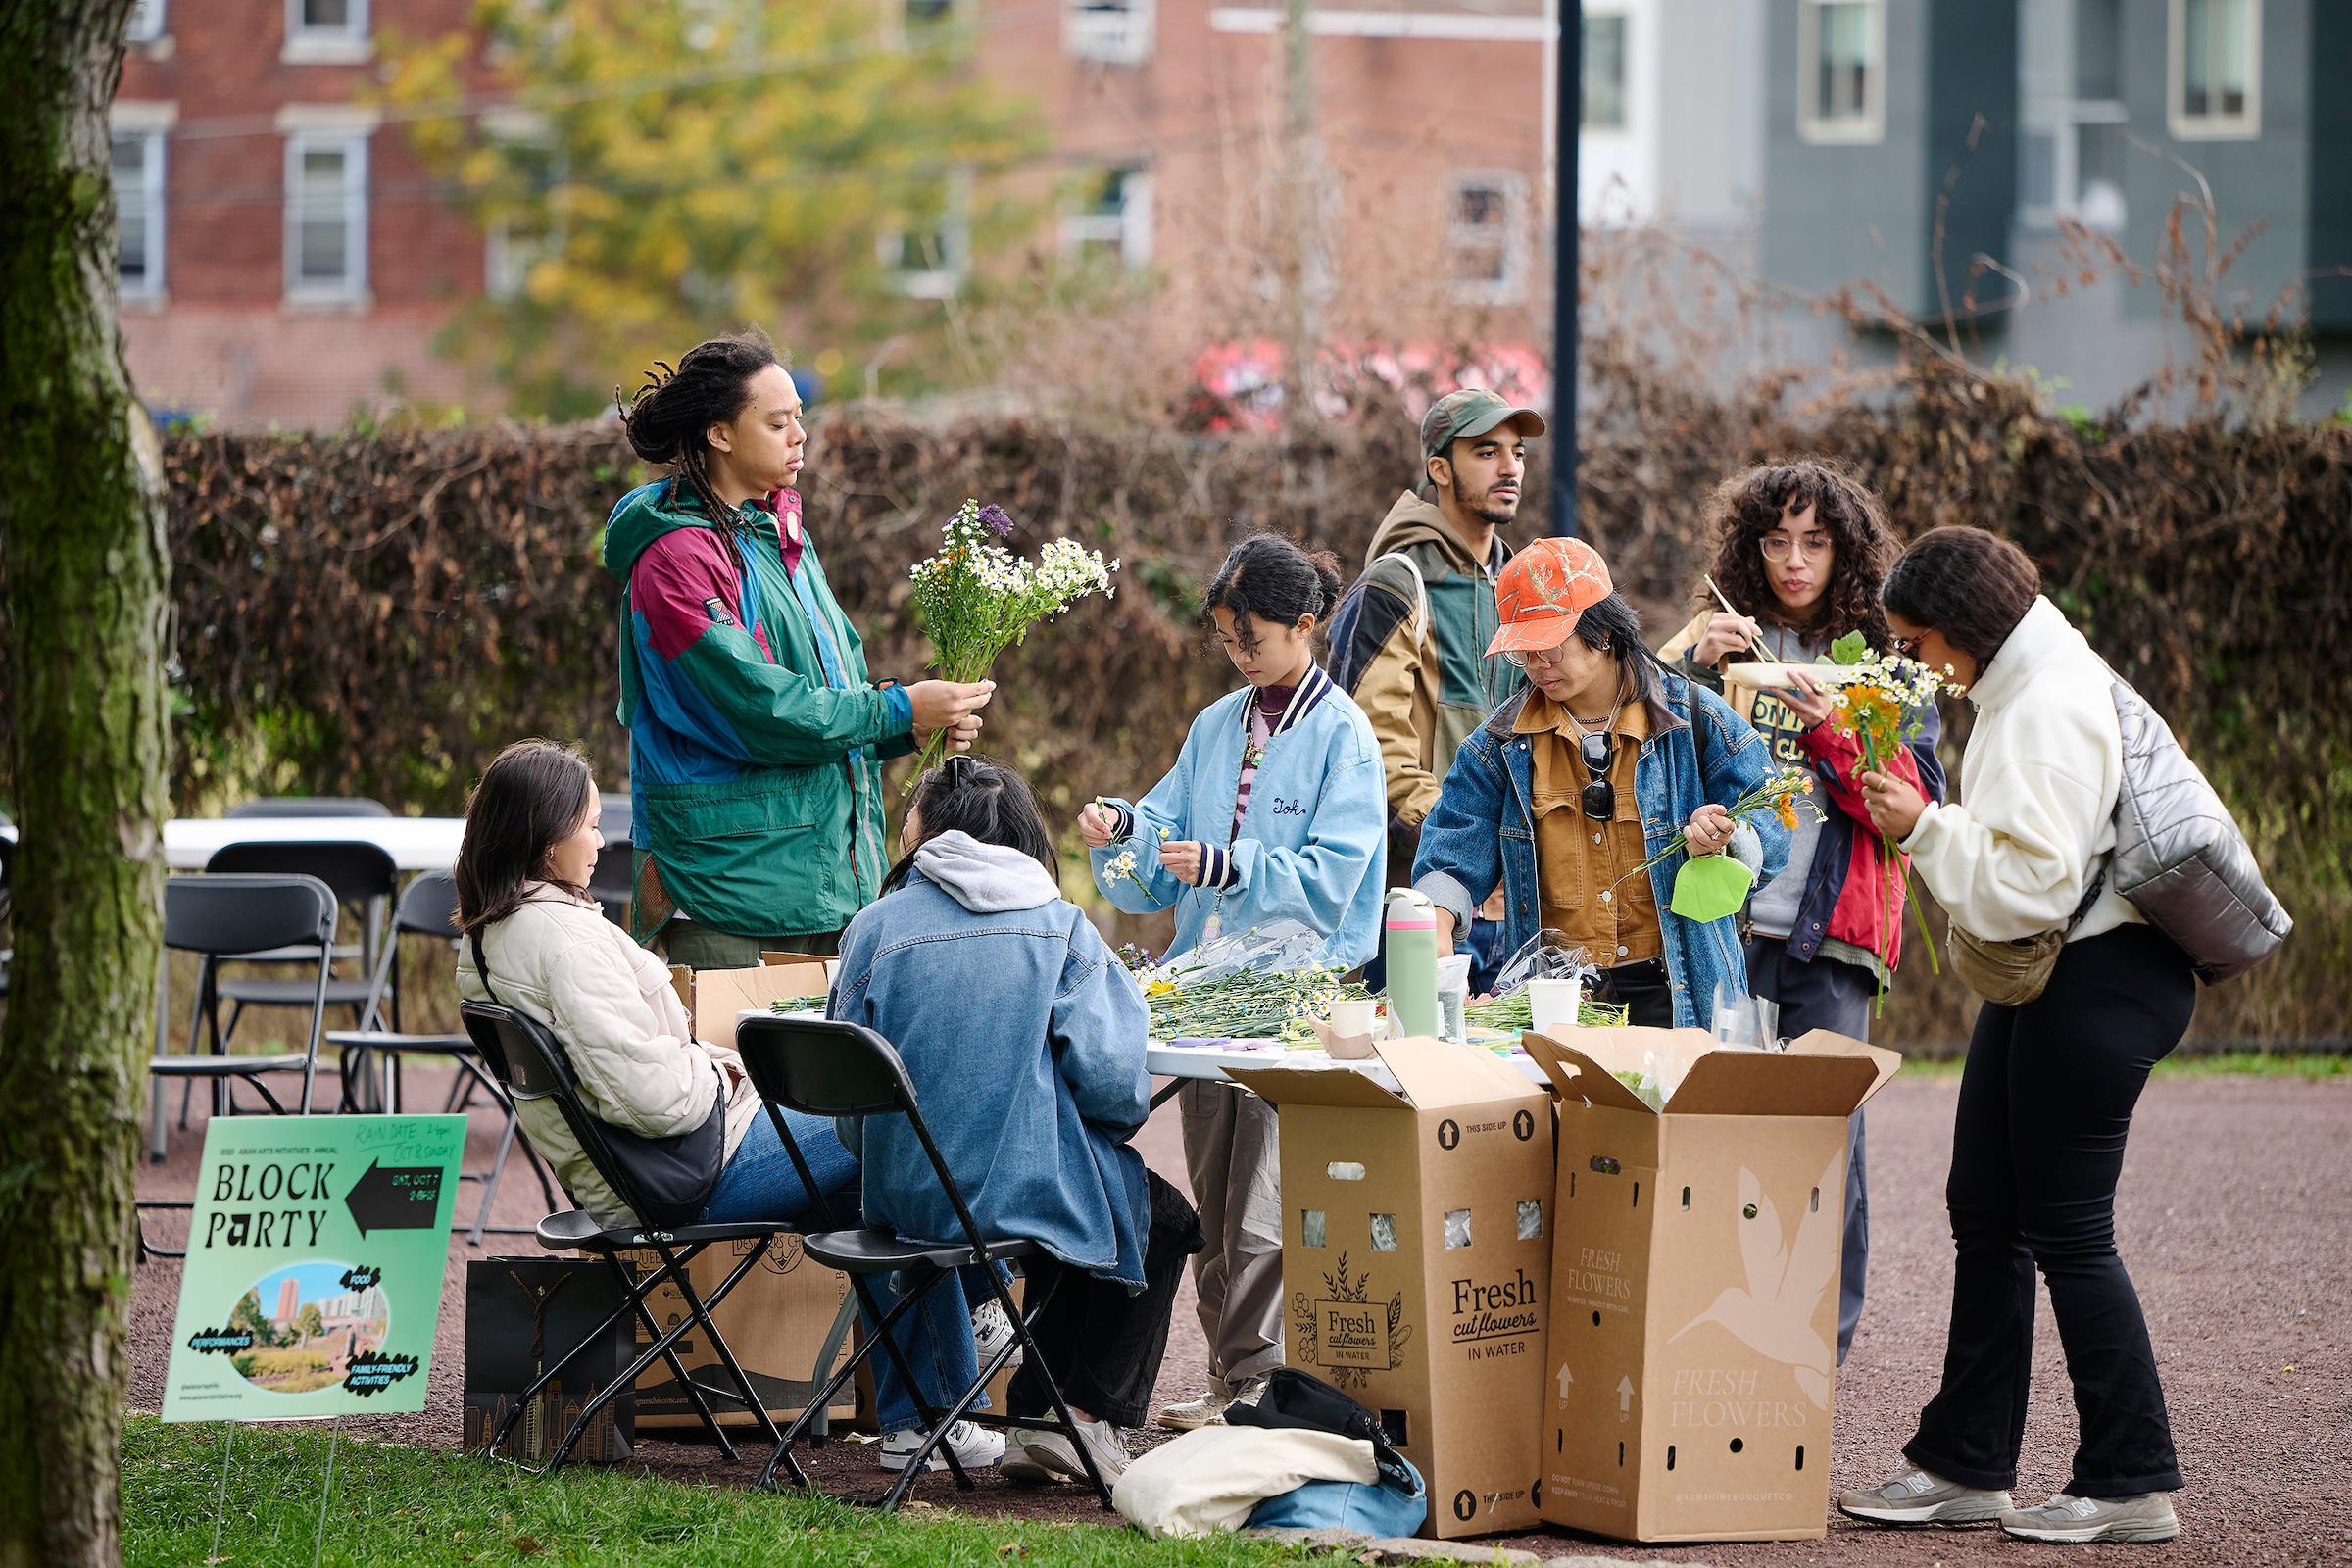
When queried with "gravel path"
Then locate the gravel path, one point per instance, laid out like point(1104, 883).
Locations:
point(2236, 1221)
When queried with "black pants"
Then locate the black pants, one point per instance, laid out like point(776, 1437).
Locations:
point(2037, 1145)
point(1641, 990)
point(1832, 995)
point(1103, 1343)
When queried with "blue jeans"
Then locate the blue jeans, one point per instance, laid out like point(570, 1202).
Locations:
point(759, 1184)
point(935, 1338)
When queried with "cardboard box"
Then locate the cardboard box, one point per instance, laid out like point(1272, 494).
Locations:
point(1417, 1261)
point(523, 1313)
point(1694, 1324)
point(775, 1321)
point(714, 997)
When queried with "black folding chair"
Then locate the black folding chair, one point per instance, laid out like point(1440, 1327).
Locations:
point(821, 1067)
point(358, 873)
point(530, 1063)
point(219, 917)
point(428, 909)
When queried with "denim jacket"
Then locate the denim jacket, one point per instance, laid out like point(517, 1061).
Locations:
point(1024, 1037)
point(1481, 833)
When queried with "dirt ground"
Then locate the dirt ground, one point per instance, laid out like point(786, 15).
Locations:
point(2236, 1220)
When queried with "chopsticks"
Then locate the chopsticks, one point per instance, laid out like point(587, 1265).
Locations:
point(1755, 645)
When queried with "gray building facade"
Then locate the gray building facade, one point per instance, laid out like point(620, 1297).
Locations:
point(2052, 131)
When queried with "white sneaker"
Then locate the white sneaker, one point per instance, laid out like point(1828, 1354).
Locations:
point(976, 1447)
point(1042, 1456)
point(992, 1331)
point(1209, 1409)
point(1918, 1497)
point(2074, 1520)
point(1190, 1415)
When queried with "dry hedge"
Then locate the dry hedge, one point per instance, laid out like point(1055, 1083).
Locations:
point(374, 615)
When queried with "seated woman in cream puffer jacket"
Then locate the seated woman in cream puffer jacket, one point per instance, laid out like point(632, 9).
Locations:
point(532, 840)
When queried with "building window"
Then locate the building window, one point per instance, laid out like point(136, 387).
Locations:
point(525, 232)
point(326, 216)
point(1603, 106)
point(326, 32)
point(138, 159)
point(1841, 71)
point(2216, 70)
point(1486, 213)
point(926, 260)
point(146, 21)
point(1114, 32)
point(1109, 217)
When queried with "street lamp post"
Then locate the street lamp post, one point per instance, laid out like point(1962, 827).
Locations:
point(1567, 95)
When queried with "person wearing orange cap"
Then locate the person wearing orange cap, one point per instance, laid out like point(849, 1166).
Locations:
point(1563, 793)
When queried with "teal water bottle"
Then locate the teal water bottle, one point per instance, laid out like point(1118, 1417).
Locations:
point(1413, 953)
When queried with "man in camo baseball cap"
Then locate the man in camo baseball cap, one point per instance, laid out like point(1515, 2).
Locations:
point(1472, 412)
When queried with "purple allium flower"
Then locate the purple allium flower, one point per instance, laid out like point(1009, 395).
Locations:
point(992, 518)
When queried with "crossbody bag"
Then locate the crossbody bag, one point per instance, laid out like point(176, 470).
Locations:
point(672, 1176)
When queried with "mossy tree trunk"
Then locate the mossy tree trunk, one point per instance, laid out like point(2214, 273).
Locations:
point(81, 547)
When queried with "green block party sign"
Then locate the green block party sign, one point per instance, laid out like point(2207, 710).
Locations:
point(315, 1257)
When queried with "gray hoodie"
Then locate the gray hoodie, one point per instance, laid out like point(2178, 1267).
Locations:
point(985, 878)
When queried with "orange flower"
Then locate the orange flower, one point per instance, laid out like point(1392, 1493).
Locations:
point(1788, 813)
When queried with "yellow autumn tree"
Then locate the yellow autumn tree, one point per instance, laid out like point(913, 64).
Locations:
point(650, 174)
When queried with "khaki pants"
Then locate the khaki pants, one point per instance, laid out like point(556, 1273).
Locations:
point(1231, 1153)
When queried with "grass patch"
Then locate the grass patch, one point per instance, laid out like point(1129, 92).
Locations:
point(2303, 1066)
point(397, 1504)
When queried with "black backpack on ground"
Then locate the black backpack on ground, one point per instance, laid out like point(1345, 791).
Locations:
point(1296, 1398)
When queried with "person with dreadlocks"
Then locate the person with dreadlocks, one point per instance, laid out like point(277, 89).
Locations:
point(1801, 550)
point(755, 739)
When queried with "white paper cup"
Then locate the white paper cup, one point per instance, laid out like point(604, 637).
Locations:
point(1351, 1017)
point(1553, 1004)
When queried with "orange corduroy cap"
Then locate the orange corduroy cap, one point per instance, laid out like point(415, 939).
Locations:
point(1542, 591)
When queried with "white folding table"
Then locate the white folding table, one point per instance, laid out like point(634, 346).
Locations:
point(1209, 1058)
point(415, 843)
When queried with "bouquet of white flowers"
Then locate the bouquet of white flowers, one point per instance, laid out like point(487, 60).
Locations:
point(978, 599)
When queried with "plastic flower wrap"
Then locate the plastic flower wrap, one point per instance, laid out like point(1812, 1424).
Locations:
point(1255, 985)
point(977, 598)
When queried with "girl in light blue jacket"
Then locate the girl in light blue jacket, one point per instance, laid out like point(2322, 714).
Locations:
point(1276, 810)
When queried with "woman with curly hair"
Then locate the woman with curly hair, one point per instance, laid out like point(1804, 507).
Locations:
point(1800, 551)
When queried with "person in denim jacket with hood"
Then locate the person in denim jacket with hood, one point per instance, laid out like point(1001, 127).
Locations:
point(1024, 1037)
point(1562, 795)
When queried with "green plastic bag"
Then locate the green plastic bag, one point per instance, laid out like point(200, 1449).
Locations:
point(1710, 888)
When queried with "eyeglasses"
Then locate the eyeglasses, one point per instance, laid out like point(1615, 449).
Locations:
point(1776, 546)
point(1600, 797)
point(1520, 658)
point(1908, 646)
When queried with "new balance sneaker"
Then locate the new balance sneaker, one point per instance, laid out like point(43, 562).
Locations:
point(2077, 1521)
point(992, 1331)
point(1209, 1409)
point(1916, 1497)
point(976, 1447)
point(1036, 1457)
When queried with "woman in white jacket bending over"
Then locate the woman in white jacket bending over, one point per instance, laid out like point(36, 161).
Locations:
point(2046, 1097)
point(522, 873)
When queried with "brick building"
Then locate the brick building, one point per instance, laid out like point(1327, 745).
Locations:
point(284, 259)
